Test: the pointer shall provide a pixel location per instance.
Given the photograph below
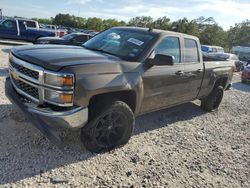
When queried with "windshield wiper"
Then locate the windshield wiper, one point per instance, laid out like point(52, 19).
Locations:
point(99, 50)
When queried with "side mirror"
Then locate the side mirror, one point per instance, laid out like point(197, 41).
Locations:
point(160, 60)
point(25, 25)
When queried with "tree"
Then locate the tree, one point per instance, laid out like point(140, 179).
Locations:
point(162, 23)
point(44, 20)
point(186, 26)
point(108, 23)
point(94, 24)
point(143, 21)
point(65, 20)
point(213, 35)
point(239, 34)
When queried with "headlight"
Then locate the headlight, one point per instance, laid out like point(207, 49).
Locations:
point(58, 97)
point(59, 80)
point(62, 84)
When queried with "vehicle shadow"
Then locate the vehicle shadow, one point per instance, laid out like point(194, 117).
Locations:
point(241, 86)
point(26, 153)
point(6, 50)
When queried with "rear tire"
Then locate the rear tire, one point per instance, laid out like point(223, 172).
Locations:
point(213, 100)
point(111, 126)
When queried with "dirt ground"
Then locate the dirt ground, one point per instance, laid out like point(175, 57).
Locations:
point(182, 146)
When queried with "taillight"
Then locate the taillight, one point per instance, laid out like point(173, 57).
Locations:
point(61, 34)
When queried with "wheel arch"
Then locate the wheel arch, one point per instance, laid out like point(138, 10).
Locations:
point(127, 96)
point(221, 81)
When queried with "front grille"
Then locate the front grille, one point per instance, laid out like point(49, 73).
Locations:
point(26, 88)
point(24, 70)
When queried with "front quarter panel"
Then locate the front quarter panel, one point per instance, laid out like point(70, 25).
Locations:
point(97, 79)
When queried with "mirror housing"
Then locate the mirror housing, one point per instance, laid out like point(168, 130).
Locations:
point(161, 60)
point(25, 24)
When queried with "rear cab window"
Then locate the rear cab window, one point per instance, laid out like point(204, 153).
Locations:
point(191, 51)
point(31, 24)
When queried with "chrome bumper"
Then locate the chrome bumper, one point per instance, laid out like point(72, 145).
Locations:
point(72, 119)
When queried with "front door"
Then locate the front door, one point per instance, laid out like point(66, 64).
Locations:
point(164, 85)
point(8, 29)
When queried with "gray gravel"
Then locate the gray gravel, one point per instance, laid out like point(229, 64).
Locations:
point(177, 147)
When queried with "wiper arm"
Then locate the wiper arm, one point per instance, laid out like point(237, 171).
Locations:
point(99, 50)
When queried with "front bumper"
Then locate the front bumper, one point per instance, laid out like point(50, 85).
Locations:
point(47, 120)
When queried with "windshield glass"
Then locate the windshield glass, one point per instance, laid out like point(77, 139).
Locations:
point(126, 44)
point(69, 36)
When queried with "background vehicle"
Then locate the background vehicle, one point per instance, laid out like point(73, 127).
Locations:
point(245, 76)
point(19, 30)
point(121, 73)
point(70, 39)
point(211, 49)
point(229, 57)
point(243, 52)
point(59, 30)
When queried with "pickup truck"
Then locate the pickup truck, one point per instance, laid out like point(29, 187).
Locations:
point(19, 29)
point(100, 87)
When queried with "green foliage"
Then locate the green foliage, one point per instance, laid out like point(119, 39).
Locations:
point(43, 20)
point(143, 21)
point(206, 29)
point(162, 23)
point(239, 34)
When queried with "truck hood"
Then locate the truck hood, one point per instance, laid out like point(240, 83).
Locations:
point(56, 57)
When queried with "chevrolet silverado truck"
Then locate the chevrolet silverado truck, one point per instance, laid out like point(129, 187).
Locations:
point(19, 29)
point(100, 87)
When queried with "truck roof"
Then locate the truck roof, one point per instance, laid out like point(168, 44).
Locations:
point(156, 31)
point(23, 19)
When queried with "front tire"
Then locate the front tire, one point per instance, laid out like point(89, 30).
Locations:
point(213, 100)
point(110, 126)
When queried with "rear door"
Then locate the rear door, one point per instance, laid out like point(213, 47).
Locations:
point(9, 29)
point(193, 67)
point(164, 85)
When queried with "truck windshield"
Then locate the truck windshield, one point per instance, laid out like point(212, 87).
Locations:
point(126, 44)
point(69, 36)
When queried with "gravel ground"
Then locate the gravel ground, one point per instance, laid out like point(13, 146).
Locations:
point(177, 147)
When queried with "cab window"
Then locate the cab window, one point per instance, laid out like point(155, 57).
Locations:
point(169, 46)
point(191, 54)
point(31, 24)
point(9, 24)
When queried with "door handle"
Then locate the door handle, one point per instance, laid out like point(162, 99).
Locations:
point(180, 73)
